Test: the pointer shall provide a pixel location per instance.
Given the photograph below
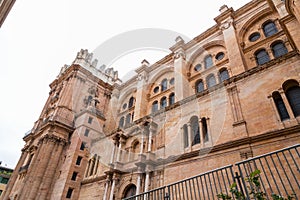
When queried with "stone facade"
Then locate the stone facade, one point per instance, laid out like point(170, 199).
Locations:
point(229, 94)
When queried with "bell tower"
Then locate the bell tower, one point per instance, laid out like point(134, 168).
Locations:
point(54, 158)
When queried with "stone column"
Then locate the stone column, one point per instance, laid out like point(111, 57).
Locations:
point(147, 181)
point(150, 140)
point(121, 142)
point(201, 133)
point(96, 165)
point(86, 173)
point(45, 187)
point(142, 144)
point(115, 179)
point(92, 165)
point(138, 184)
point(48, 146)
point(106, 188)
point(15, 174)
point(190, 135)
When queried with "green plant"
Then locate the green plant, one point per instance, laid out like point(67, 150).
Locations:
point(254, 190)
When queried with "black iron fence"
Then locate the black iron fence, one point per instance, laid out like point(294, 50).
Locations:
point(279, 174)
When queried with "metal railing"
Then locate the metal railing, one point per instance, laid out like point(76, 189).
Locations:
point(279, 174)
point(203, 186)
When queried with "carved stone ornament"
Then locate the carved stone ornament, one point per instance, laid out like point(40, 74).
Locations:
point(179, 54)
point(225, 25)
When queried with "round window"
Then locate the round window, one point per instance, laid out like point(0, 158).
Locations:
point(172, 81)
point(220, 56)
point(124, 105)
point(198, 67)
point(156, 89)
point(254, 36)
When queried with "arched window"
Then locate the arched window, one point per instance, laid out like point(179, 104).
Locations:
point(208, 61)
point(164, 85)
point(171, 99)
point(262, 57)
point(199, 86)
point(292, 91)
point(280, 106)
point(269, 28)
point(185, 136)
point(154, 106)
point(136, 147)
point(131, 102)
point(130, 191)
point(163, 102)
point(211, 80)
point(223, 73)
point(195, 130)
point(121, 122)
point(204, 129)
point(279, 49)
point(128, 119)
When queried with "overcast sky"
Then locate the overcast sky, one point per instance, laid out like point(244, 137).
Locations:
point(39, 37)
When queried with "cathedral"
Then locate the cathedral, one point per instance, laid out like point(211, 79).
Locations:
point(229, 95)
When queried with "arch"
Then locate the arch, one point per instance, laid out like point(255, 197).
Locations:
point(130, 190)
point(135, 146)
point(208, 61)
point(171, 98)
point(280, 106)
point(131, 102)
point(211, 80)
point(261, 56)
point(154, 106)
point(185, 136)
point(202, 49)
point(269, 28)
point(199, 86)
point(278, 49)
point(223, 74)
point(164, 85)
point(126, 95)
point(260, 15)
point(157, 75)
point(163, 102)
point(121, 122)
point(292, 92)
point(195, 130)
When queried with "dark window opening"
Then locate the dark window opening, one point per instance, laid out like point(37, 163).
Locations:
point(86, 133)
point(199, 86)
point(163, 102)
point(154, 106)
point(195, 130)
point(171, 99)
point(131, 102)
point(220, 56)
point(90, 120)
point(262, 57)
point(198, 67)
point(164, 85)
point(130, 191)
point(128, 119)
point(211, 81)
point(172, 81)
point(293, 96)
point(223, 75)
point(280, 106)
point(121, 122)
point(78, 161)
point(156, 90)
point(124, 106)
point(69, 193)
point(208, 61)
point(279, 49)
point(269, 29)
point(74, 176)
point(254, 36)
point(82, 146)
point(204, 129)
